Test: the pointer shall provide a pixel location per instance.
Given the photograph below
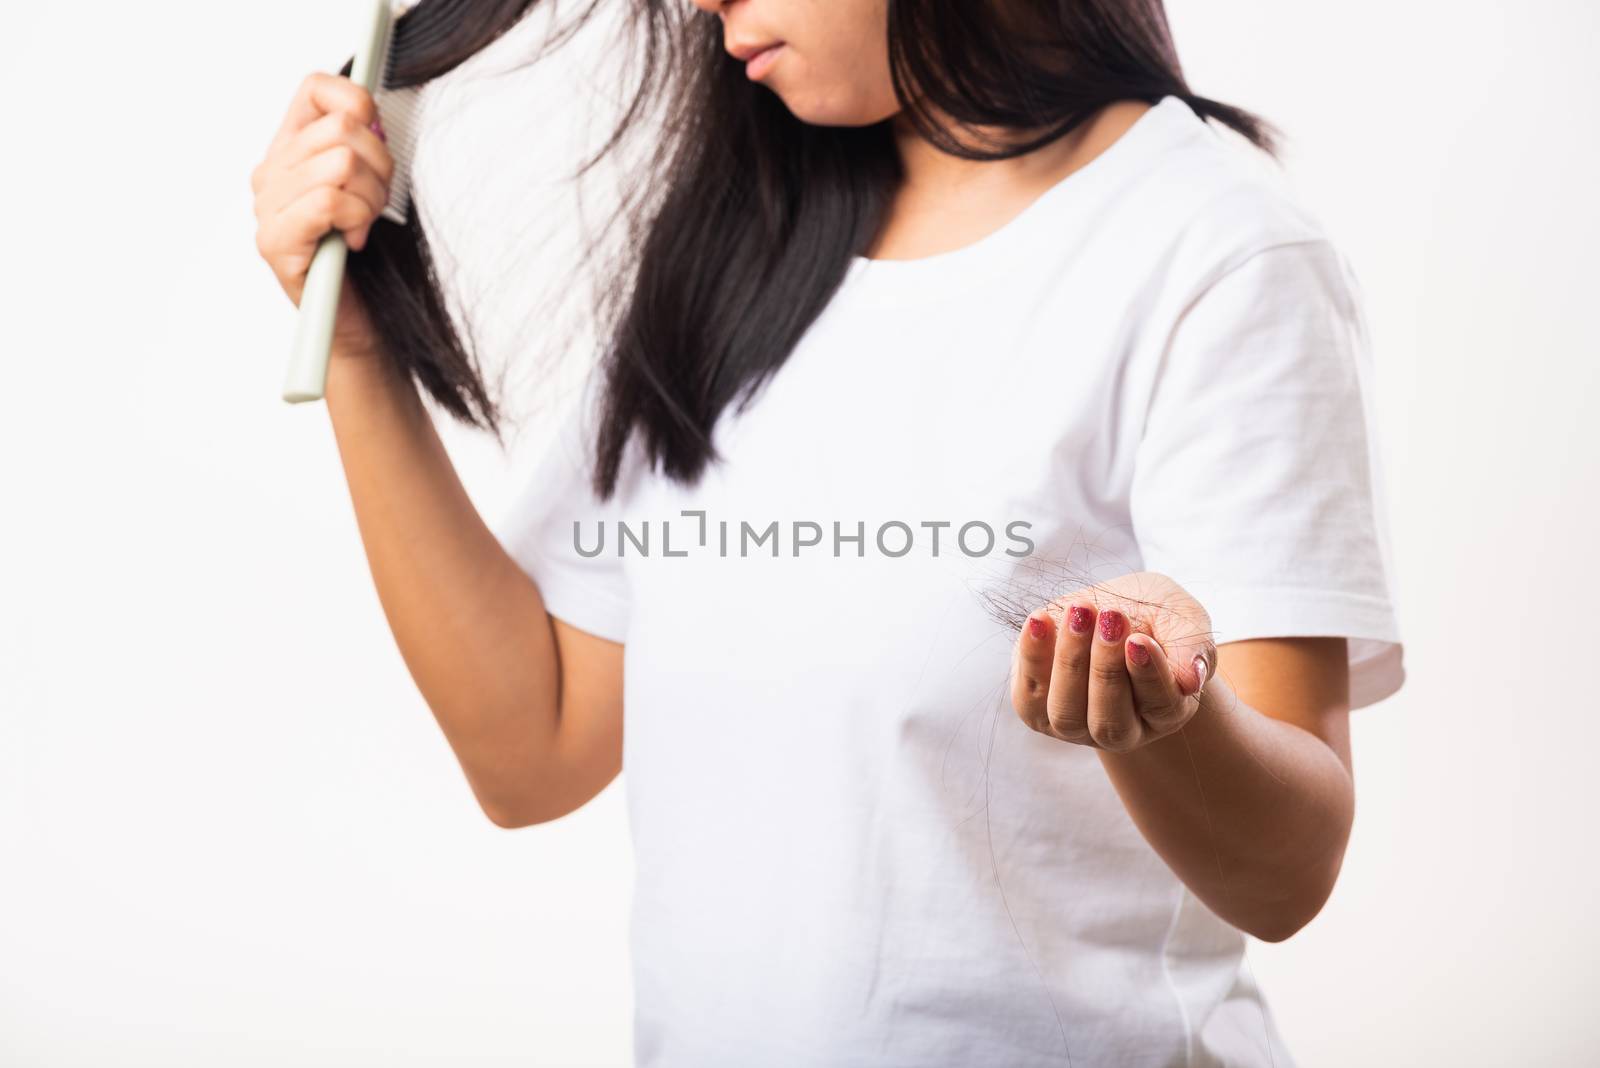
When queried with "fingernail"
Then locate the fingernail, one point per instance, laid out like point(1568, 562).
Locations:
point(1138, 653)
point(377, 128)
point(1199, 673)
point(1079, 619)
point(1036, 627)
point(1112, 625)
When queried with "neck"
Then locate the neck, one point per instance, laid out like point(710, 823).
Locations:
point(945, 202)
point(932, 175)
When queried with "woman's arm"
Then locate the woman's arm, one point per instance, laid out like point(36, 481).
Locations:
point(532, 707)
point(1251, 802)
point(1232, 760)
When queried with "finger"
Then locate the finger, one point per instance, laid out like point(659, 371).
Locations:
point(1113, 724)
point(1200, 665)
point(337, 129)
point(1068, 703)
point(319, 94)
point(357, 238)
point(339, 166)
point(1156, 697)
point(1031, 680)
point(304, 223)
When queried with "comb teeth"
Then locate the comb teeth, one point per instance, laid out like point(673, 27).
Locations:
point(400, 111)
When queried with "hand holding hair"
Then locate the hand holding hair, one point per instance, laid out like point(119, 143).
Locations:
point(1114, 667)
point(1251, 804)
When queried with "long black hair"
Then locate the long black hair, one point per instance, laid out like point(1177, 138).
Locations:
point(743, 220)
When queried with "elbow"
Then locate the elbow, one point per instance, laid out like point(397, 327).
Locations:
point(529, 807)
point(1280, 927)
point(544, 793)
point(1287, 915)
point(510, 816)
point(512, 799)
point(509, 810)
point(1301, 889)
point(505, 818)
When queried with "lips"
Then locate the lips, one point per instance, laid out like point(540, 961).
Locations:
point(745, 51)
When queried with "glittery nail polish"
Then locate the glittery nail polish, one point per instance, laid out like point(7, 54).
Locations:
point(1113, 625)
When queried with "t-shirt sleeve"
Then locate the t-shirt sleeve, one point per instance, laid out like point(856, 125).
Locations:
point(1257, 484)
point(554, 525)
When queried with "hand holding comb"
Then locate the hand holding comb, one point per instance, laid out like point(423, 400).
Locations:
point(319, 300)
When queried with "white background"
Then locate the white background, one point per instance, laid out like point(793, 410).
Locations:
point(230, 832)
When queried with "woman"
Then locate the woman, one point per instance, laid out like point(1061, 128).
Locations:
point(939, 317)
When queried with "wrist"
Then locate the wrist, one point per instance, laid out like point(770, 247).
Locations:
point(1216, 702)
point(358, 382)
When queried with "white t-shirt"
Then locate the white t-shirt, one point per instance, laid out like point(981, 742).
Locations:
point(850, 850)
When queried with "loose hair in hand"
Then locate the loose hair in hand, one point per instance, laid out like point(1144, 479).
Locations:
point(742, 219)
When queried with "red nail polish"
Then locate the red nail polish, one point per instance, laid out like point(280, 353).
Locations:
point(1079, 619)
point(1138, 653)
point(1036, 627)
point(1112, 625)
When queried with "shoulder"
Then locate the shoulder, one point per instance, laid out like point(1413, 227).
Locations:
point(1238, 283)
point(1212, 201)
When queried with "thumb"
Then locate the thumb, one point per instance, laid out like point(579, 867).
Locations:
point(1193, 666)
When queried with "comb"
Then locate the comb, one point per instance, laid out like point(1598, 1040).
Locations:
point(398, 110)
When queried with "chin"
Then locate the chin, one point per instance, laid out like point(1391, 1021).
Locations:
point(833, 108)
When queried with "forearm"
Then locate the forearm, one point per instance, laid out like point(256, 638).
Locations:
point(1252, 813)
point(470, 626)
